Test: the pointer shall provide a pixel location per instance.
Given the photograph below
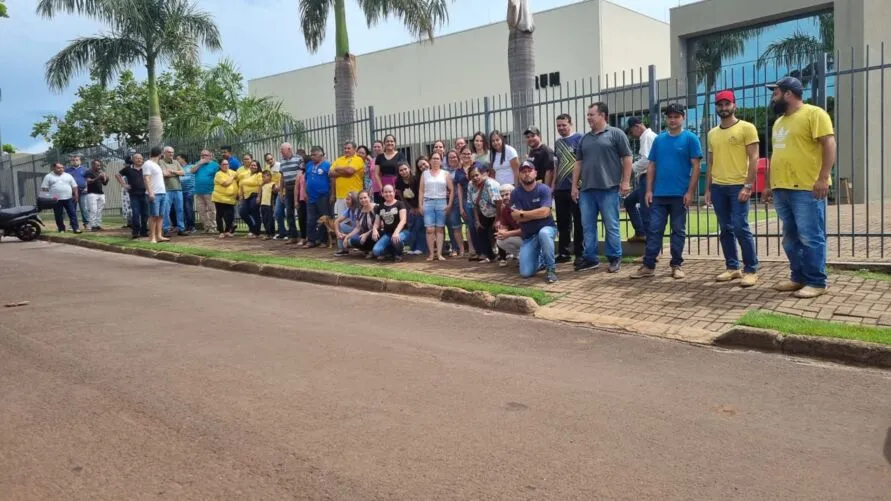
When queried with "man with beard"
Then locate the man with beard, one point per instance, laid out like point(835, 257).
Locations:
point(531, 204)
point(798, 181)
point(732, 164)
point(541, 156)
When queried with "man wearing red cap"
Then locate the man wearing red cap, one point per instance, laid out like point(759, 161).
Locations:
point(732, 164)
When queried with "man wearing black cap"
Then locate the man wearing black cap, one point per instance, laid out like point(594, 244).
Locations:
point(541, 156)
point(732, 165)
point(798, 180)
point(672, 177)
point(531, 209)
point(638, 212)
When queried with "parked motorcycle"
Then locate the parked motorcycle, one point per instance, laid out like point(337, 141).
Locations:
point(24, 222)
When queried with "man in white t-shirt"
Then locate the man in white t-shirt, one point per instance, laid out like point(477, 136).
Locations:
point(61, 186)
point(156, 193)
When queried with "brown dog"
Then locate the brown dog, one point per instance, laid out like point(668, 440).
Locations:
point(328, 223)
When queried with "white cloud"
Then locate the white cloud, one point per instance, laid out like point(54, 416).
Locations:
point(37, 147)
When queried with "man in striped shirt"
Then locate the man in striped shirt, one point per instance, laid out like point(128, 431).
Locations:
point(569, 219)
point(291, 168)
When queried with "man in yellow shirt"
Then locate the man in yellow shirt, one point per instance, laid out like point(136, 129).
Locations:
point(798, 180)
point(348, 175)
point(732, 164)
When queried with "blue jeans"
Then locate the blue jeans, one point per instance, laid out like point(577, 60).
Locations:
point(435, 213)
point(418, 239)
point(356, 243)
point(266, 219)
point(733, 219)
point(314, 210)
point(290, 208)
point(661, 209)
point(59, 210)
point(173, 199)
point(471, 223)
point(189, 210)
point(605, 203)
point(345, 227)
point(385, 244)
point(84, 208)
point(249, 212)
point(804, 235)
point(139, 212)
point(537, 251)
point(639, 216)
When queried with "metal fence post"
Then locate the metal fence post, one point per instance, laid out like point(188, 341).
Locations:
point(372, 130)
point(653, 94)
point(820, 88)
point(487, 114)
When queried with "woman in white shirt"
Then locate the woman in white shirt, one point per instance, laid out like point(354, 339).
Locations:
point(436, 193)
point(503, 162)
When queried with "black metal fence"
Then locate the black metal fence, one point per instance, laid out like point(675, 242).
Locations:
point(854, 94)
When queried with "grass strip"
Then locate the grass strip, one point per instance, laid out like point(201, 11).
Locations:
point(789, 324)
point(864, 274)
point(539, 296)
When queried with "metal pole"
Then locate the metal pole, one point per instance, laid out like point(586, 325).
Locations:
point(372, 130)
point(653, 95)
point(488, 115)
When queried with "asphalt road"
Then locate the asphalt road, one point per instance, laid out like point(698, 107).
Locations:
point(129, 379)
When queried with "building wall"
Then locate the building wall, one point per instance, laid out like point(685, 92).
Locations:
point(631, 42)
point(574, 40)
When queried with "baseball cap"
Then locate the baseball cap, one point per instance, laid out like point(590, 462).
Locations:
point(725, 95)
point(675, 108)
point(526, 165)
point(632, 122)
point(532, 130)
point(788, 83)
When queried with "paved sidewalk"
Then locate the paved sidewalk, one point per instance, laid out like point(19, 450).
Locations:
point(697, 302)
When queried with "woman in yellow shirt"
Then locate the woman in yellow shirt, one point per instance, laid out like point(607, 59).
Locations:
point(225, 193)
point(249, 189)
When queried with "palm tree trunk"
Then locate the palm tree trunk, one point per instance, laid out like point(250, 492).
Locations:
point(521, 70)
point(155, 126)
point(344, 82)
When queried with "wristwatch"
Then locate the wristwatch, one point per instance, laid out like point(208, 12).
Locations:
point(747, 187)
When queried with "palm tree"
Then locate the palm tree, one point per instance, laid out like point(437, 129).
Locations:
point(150, 32)
point(800, 51)
point(708, 56)
point(420, 17)
point(521, 62)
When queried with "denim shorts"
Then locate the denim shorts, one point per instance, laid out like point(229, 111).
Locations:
point(156, 208)
point(453, 218)
point(434, 213)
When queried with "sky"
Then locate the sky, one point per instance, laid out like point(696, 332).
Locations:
point(263, 37)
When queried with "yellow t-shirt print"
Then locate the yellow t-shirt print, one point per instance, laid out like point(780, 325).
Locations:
point(797, 153)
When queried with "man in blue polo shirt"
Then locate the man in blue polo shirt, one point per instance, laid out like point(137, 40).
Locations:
point(672, 177)
point(531, 209)
point(318, 190)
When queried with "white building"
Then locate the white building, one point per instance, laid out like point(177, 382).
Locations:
point(573, 46)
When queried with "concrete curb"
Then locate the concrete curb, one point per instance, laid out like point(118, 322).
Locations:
point(503, 303)
point(652, 329)
point(825, 348)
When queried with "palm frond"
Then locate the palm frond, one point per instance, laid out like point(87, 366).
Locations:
point(104, 55)
point(314, 20)
point(420, 17)
point(90, 8)
point(793, 51)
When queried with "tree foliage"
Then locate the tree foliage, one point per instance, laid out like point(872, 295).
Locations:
point(3, 12)
point(8, 148)
point(196, 104)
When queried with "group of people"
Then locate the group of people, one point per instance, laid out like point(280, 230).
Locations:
point(374, 202)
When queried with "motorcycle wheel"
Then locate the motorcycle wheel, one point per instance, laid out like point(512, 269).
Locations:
point(28, 231)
